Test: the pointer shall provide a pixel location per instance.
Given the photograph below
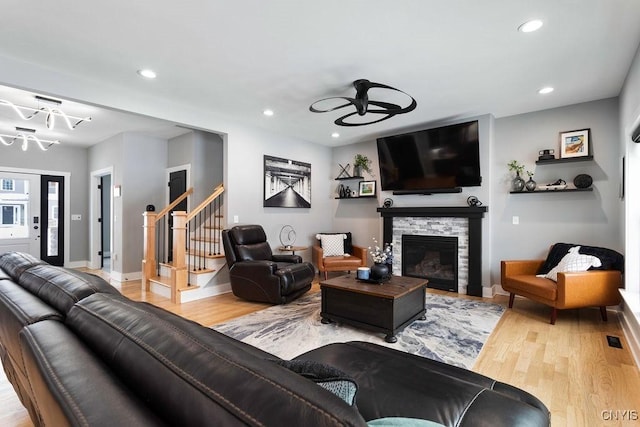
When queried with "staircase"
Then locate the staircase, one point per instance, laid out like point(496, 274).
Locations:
point(187, 263)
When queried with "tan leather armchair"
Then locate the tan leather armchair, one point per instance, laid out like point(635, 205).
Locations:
point(348, 262)
point(597, 288)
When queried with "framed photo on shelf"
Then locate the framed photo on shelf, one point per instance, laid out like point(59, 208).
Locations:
point(367, 189)
point(574, 143)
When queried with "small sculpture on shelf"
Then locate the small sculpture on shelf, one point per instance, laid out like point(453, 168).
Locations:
point(531, 184)
point(344, 171)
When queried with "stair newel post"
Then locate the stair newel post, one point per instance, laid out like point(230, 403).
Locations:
point(149, 250)
point(179, 271)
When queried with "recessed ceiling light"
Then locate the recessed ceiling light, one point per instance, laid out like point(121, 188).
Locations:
point(147, 73)
point(545, 90)
point(268, 112)
point(335, 135)
point(530, 26)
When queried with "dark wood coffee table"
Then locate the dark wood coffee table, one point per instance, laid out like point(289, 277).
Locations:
point(388, 307)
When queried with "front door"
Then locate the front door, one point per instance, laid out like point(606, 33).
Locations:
point(20, 225)
point(52, 224)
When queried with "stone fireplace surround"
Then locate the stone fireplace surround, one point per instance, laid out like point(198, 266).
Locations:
point(457, 221)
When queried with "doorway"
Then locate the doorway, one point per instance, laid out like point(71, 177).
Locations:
point(105, 222)
point(178, 178)
point(102, 247)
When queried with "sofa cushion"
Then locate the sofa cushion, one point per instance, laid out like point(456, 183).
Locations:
point(348, 242)
point(73, 387)
point(192, 376)
point(393, 383)
point(19, 308)
point(60, 287)
point(572, 262)
point(15, 263)
point(532, 286)
point(332, 244)
point(326, 376)
point(402, 422)
point(610, 259)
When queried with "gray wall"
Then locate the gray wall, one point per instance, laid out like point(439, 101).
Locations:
point(590, 218)
point(144, 183)
point(60, 159)
point(203, 151)
point(139, 164)
point(244, 176)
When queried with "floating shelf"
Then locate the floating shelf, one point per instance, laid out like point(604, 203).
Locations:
point(566, 190)
point(359, 197)
point(567, 160)
point(342, 178)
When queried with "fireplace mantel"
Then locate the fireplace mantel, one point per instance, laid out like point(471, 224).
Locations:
point(473, 213)
point(435, 211)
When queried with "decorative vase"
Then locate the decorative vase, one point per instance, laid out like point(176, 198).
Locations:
point(379, 271)
point(357, 171)
point(518, 183)
point(530, 185)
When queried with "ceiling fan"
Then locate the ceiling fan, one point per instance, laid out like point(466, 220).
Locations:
point(362, 102)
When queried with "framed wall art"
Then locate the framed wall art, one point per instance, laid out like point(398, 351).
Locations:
point(287, 183)
point(574, 143)
point(367, 189)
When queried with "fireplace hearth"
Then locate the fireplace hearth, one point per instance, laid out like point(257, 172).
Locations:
point(434, 258)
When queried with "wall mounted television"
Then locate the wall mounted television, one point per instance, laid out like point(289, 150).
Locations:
point(438, 160)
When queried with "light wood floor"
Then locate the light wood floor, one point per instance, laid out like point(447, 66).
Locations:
point(569, 366)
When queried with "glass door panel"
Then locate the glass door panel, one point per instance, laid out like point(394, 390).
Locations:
point(19, 213)
point(52, 247)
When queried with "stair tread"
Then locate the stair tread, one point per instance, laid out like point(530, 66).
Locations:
point(189, 288)
point(192, 270)
point(161, 280)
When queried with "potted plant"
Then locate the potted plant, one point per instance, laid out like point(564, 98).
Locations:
point(518, 183)
point(361, 163)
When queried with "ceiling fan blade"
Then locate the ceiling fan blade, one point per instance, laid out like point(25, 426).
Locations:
point(341, 120)
point(351, 101)
point(387, 105)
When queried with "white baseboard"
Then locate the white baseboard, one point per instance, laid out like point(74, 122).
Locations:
point(492, 291)
point(631, 322)
point(125, 277)
point(77, 264)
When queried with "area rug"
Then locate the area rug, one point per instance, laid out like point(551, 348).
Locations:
point(454, 331)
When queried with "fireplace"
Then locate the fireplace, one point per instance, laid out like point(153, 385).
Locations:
point(463, 223)
point(431, 257)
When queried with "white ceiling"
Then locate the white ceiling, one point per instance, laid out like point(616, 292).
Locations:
point(457, 58)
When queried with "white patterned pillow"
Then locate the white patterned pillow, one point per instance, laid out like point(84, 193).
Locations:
point(573, 261)
point(332, 244)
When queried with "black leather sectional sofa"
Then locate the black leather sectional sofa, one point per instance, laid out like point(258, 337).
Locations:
point(79, 353)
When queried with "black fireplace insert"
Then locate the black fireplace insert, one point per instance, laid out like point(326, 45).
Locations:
point(434, 258)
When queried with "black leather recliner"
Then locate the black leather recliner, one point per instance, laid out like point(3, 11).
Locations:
point(257, 274)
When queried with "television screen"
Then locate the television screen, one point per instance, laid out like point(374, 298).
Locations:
point(443, 158)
